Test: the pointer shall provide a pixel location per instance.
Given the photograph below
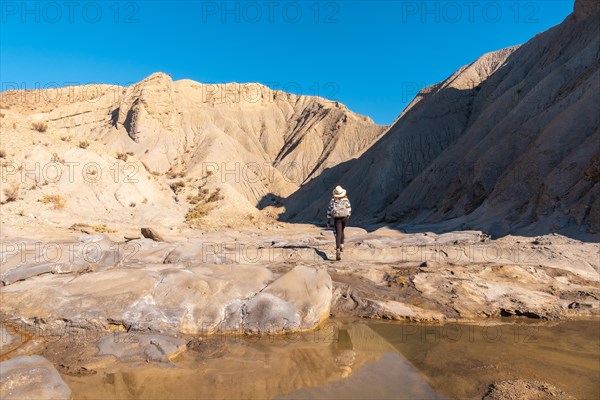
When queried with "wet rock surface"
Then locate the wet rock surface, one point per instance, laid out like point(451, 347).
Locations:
point(146, 347)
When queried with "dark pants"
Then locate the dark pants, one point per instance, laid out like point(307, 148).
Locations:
point(340, 225)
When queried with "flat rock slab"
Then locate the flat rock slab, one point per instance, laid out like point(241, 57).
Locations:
point(149, 347)
point(31, 377)
point(173, 298)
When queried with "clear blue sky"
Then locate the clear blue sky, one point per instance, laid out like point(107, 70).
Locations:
point(369, 55)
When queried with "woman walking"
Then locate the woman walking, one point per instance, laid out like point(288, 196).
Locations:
point(339, 209)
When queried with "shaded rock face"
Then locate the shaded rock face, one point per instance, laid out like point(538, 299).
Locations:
point(31, 377)
point(508, 143)
point(586, 8)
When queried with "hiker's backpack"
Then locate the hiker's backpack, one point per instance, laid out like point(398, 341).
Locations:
point(340, 209)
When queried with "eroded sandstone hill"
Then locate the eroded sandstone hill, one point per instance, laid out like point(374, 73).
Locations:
point(162, 150)
point(509, 143)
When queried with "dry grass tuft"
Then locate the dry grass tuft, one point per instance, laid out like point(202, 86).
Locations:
point(56, 200)
point(12, 193)
point(39, 126)
point(87, 228)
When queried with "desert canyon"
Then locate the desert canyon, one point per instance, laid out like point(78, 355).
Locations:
point(172, 210)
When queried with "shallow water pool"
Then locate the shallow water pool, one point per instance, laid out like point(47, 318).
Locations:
point(360, 359)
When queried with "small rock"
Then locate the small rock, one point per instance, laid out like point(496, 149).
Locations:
point(150, 233)
point(575, 305)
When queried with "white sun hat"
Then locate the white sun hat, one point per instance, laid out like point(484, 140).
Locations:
point(339, 191)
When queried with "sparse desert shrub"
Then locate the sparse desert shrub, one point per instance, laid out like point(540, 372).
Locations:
point(145, 201)
point(202, 204)
point(177, 186)
point(65, 138)
point(172, 175)
point(102, 228)
point(2, 154)
point(122, 156)
point(215, 196)
point(12, 192)
point(39, 126)
point(56, 200)
point(129, 153)
point(202, 193)
point(84, 144)
point(197, 212)
point(132, 204)
point(56, 158)
point(87, 228)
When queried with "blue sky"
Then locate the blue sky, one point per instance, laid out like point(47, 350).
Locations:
point(370, 55)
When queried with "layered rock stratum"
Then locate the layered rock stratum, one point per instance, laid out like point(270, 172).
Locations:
point(158, 149)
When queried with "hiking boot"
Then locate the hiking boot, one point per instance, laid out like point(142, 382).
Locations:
point(338, 256)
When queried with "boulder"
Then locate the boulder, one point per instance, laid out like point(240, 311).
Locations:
point(298, 300)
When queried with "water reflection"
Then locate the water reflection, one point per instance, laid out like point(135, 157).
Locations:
point(462, 360)
point(360, 360)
